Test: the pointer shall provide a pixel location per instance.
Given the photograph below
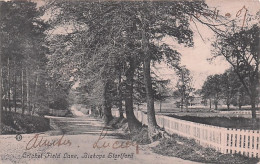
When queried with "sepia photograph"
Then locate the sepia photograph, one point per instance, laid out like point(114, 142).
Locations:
point(129, 81)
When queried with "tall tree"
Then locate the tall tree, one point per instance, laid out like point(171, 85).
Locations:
point(184, 86)
point(151, 27)
point(105, 45)
point(230, 85)
point(131, 28)
point(212, 89)
point(162, 91)
point(241, 49)
point(1, 105)
point(22, 46)
point(120, 91)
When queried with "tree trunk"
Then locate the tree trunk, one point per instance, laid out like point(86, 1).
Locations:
point(216, 105)
point(160, 106)
point(15, 92)
point(239, 99)
point(210, 103)
point(3, 91)
point(239, 102)
point(181, 103)
point(1, 105)
point(152, 125)
point(183, 91)
point(100, 112)
point(228, 102)
point(2, 86)
point(186, 105)
point(253, 109)
point(92, 110)
point(35, 93)
point(107, 104)
point(22, 90)
point(133, 123)
point(120, 104)
point(107, 113)
point(5, 101)
point(228, 106)
point(8, 84)
point(139, 86)
point(149, 95)
point(28, 91)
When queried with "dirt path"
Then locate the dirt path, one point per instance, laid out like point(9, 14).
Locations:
point(76, 146)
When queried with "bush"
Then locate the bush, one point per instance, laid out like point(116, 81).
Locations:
point(17, 123)
point(60, 104)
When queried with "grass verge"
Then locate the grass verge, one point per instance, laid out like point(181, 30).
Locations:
point(188, 149)
point(140, 135)
point(15, 123)
point(180, 147)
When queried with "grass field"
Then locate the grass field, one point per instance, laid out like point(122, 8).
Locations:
point(198, 111)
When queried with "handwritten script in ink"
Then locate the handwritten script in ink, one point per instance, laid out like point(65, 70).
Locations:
point(102, 144)
point(39, 141)
point(215, 14)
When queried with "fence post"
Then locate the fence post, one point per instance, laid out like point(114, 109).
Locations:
point(163, 121)
point(142, 117)
point(223, 140)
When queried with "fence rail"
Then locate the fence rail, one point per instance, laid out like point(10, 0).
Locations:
point(224, 140)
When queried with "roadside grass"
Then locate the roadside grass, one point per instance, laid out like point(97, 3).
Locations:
point(15, 123)
point(188, 149)
point(140, 135)
point(119, 124)
point(227, 122)
point(180, 147)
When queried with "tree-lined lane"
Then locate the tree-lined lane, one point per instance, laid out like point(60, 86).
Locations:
point(82, 132)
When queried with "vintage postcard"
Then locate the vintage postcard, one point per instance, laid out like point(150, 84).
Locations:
point(129, 81)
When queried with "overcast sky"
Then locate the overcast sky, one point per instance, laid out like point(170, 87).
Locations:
point(195, 58)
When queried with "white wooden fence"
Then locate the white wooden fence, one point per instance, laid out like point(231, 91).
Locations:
point(224, 140)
